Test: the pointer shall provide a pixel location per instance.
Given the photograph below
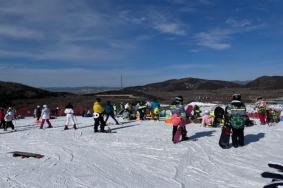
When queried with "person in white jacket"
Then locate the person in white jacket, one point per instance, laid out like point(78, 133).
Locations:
point(45, 116)
point(69, 111)
point(9, 117)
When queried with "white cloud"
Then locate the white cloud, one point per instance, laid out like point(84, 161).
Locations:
point(218, 38)
point(214, 39)
point(170, 28)
point(238, 23)
point(19, 32)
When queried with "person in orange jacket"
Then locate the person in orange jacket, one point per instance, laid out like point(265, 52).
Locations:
point(98, 112)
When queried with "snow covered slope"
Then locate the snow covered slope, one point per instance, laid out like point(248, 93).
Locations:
point(136, 154)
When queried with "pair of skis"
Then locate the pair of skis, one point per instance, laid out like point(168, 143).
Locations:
point(277, 178)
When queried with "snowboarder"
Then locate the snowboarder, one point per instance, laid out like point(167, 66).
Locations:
point(69, 116)
point(2, 118)
point(45, 116)
point(9, 117)
point(236, 118)
point(109, 110)
point(261, 110)
point(98, 111)
point(178, 111)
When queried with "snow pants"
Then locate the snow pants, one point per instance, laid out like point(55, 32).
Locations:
point(9, 124)
point(262, 118)
point(2, 124)
point(112, 116)
point(183, 131)
point(70, 119)
point(99, 122)
point(238, 137)
point(43, 121)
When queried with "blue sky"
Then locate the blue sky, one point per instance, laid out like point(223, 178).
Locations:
point(48, 43)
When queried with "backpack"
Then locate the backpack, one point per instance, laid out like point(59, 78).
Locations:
point(238, 118)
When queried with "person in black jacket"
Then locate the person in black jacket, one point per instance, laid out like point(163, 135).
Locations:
point(236, 118)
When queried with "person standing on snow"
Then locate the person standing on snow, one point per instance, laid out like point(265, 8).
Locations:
point(177, 109)
point(236, 118)
point(109, 110)
point(98, 111)
point(261, 110)
point(9, 117)
point(37, 114)
point(45, 116)
point(69, 111)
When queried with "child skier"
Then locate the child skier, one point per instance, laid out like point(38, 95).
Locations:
point(178, 112)
point(69, 116)
point(206, 119)
point(261, 110)
point(9, 117)
point(98, 111)
point(45, 116)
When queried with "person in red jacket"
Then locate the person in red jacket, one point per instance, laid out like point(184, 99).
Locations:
point(2, 116)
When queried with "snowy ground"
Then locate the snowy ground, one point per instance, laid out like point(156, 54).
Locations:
point(136, 154)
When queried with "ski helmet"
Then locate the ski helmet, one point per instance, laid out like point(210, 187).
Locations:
point(236, 97)
point(179, 99)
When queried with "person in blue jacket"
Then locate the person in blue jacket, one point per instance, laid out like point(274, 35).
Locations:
point(109, 110)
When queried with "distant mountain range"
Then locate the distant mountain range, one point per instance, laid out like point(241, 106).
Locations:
point(192, 88)
point(264, 82)
point(80, 90)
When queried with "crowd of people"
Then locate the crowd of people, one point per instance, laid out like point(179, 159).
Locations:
point(233, 118)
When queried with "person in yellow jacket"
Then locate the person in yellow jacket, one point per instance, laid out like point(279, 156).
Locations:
point(98, 112)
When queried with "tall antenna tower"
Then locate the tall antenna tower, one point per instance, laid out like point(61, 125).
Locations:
point(121, 81)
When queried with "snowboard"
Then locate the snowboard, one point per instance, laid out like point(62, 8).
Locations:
point(26, 154)
point(218, 116)
point(277, 178)
point(224, 140)
point(178, 134)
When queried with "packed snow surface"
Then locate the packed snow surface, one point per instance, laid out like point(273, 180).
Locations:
point(135, 154)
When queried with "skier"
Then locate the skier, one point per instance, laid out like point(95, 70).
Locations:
point(236, 117)
point(109, 110)
point(2, 118)
point(37, 114)
point(9, 117)
point(69, 116)
point(45, 116)
point(261, 110)
point(178, 110)
point(98, 111)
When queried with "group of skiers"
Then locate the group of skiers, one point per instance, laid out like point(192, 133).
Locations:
point(266, 114)
point(235, 118)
